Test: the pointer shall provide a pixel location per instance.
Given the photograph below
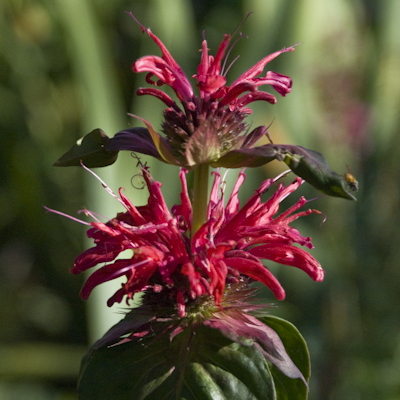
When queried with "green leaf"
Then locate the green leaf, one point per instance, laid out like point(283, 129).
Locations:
point(308, 164)
point(196, 364)
point(296, 347)
point(313, 168)
point(90, 150)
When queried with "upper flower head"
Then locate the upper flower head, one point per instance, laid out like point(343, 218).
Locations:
point(215, 117)
point(166, 261)
point(210, 77)
point(208, 129)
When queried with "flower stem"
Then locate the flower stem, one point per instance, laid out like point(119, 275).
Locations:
point(200, 197)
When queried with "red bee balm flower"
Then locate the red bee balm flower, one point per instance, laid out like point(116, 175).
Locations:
point(204, 128)
point(227, 247)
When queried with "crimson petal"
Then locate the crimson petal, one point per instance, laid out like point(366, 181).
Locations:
point(290, 255)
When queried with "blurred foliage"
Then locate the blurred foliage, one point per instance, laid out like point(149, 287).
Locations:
point(344, 103)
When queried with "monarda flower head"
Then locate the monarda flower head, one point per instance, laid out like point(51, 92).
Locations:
point(208, 126)
point(229, 246)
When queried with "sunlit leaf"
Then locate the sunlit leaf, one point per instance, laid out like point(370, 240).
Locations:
point(313, 167)
point(308, 164)
point(91, 150)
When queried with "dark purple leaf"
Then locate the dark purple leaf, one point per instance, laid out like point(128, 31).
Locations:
point(134, 139)
point(254, 157)
point(254, 136)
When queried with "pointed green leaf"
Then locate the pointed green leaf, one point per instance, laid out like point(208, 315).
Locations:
point(261, 335)
point(296, 347)
point(194, 365)
point(313, 168)
point(90, 150)
point(308, 164)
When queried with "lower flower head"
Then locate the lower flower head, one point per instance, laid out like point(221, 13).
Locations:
point(166, 261)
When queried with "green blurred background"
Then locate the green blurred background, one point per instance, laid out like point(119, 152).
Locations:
point(65, 69)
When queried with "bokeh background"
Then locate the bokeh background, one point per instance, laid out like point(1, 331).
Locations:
point(65, 69)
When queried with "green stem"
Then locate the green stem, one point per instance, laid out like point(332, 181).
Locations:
point(200, 197)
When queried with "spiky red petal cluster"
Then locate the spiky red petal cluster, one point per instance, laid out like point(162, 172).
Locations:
point(230, 244)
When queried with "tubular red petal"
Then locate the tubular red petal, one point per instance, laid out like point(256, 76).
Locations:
point(259, 67)
point(255, 96)
point(233, 203)
point(94, 256)
point(202, 69)
point(290, 255)
point(156, 66)
point(133, 211)
point(141, 272)
point(156, 93)
point(184, 210)
point(211, 83)
point(156, 200)
point(214, 196)
point(246, 212)
point(235, 91)
point(215, 67)
point(208, 75)
point(169, 59)
point(166, 69)
point(258, 272)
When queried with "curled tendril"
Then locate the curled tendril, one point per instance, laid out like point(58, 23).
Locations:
point(139, 175)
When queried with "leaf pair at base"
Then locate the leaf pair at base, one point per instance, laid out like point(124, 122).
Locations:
point(198, 363)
